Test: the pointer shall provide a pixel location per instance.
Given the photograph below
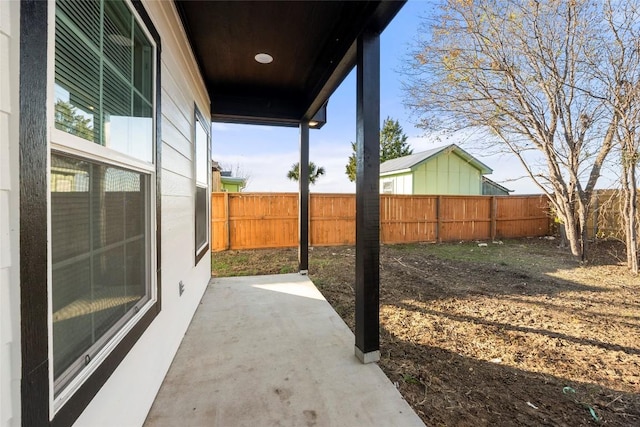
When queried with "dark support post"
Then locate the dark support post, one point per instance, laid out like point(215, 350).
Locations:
point(303, 201)
point(368, 199)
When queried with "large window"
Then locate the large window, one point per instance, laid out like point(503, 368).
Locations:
point(202, 168)
point(102, 185)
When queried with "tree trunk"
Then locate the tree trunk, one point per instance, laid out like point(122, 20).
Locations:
point(583, 216)
point(571, 229)
point(631, 219)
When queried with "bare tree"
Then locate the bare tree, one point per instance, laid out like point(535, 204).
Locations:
point(529, 71)
point(623, 23)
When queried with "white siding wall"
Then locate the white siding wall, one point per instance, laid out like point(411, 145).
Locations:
point(402, 184)
point(127, 396)
point(9, 220)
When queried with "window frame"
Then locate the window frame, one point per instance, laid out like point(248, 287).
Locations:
point(66, 144)
point(37, 140)
point(387, 187)
point(199, 120)
point(71, 380)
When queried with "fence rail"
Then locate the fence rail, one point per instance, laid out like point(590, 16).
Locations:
point(270, 220)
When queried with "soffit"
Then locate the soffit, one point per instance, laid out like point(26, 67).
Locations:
point(312, 44)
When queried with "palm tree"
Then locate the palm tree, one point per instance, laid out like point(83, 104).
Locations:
point(314, 172)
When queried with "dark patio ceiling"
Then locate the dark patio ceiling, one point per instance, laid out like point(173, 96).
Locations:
point(312, 45)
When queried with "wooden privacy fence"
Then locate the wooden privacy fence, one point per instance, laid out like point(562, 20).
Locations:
point(270, 220)
point(605, 219)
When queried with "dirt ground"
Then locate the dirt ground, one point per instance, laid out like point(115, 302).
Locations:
point(514, 333)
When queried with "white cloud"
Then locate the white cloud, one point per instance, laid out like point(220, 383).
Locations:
point(268, 172)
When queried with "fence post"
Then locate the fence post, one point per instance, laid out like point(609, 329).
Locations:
point(494, 214)
point(227, 225)
point(439, 219)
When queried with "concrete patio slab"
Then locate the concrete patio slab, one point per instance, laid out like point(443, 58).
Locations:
point(270, 351)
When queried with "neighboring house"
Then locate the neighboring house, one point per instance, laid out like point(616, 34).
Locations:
point(492, 188)
point(105, 113)
point(223, 181)
point(232, 184)
point(216, 184)
point(443, 170)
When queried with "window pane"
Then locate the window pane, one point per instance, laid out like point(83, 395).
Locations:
point(201, 217)
point(117, 39)
point(85, 15)
point(202, 163)
point(77, 90)
point(104, 76)
point(100, 263)
point(143, 64)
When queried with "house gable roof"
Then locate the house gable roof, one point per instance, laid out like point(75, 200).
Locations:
point(495, 184)
point(406, 163)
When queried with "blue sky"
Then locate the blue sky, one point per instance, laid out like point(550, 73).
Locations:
point(266, 153)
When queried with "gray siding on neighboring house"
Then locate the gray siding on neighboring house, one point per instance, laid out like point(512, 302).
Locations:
point(9, 211)
point(491, 188)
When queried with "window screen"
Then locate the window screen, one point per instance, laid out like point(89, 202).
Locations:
point(201, 216)
point(98, 243)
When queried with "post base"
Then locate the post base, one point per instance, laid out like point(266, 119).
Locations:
point(369, 357)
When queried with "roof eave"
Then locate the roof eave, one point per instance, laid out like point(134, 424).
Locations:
point(396, 172)
point(472, 160)
point(232, 180)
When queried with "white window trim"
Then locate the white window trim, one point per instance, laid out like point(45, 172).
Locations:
point(200, 120)
point(68, 144)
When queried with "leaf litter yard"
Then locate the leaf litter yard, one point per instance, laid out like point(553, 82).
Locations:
point(517, 333)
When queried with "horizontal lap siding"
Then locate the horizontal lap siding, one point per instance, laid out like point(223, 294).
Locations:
point(270, 220)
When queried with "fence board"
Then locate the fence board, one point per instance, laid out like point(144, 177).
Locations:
point(332, 219)
point(605, 219)
point(219, 221)
point(270, 220)
point(465, 218)
point(522, 216)
point(405, 219)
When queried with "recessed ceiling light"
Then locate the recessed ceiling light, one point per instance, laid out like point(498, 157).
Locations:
point(264, 58)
